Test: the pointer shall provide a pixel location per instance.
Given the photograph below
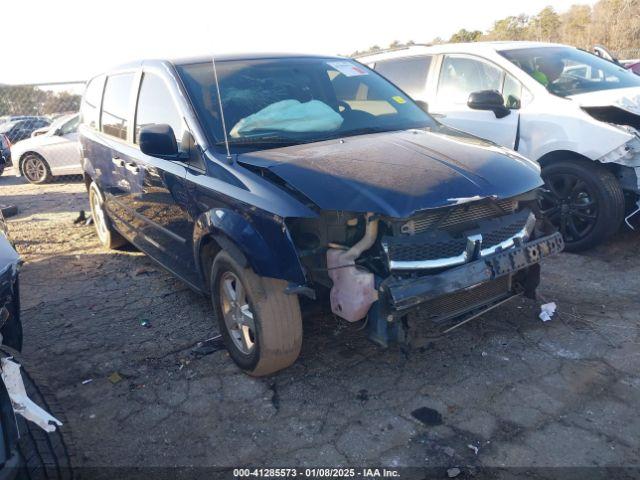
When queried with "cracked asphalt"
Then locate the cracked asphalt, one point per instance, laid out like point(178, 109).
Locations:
point(522, 392)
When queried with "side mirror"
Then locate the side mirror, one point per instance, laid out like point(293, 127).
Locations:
point(423, 105)
point(158, 141)
point(488, 100)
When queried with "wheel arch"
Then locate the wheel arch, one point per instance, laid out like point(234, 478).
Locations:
point(259, 242)
point(560, 155)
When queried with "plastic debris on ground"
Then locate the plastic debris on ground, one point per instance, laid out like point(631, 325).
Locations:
point(8, 210)
point(114, 378)
point(88, 380)
point(145, 323)
point(474, 448)
point(82, 218)
point(427, 416)
point(546, 311)
point(453, 472)
point(209, 346)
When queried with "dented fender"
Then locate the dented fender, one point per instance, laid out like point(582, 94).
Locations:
point(260, 238)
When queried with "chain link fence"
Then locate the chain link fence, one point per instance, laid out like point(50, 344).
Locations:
point(39, 110)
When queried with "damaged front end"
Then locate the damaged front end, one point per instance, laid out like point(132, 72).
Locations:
point(447, 265)
point(626, 157)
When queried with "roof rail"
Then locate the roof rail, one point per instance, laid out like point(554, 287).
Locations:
point(395, 49)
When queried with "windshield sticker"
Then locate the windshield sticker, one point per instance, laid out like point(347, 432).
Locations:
point(348, 69)
point(399, 99)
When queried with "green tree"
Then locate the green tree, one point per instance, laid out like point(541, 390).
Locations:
point(510, 28)
point(545, 27)
point(576, 26)
point(464, 35)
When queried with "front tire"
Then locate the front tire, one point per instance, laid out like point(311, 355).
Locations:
point(584, 201)
point(261, 325)
point(35, 169)
point(107, 234)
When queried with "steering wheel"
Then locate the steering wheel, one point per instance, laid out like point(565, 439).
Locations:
point(346, 107)
point(565, 85)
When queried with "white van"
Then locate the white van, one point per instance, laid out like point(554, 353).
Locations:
point(577, 114)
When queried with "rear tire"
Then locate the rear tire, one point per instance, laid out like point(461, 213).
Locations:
point(584, 200)
point(107, 234)
point(45, 455)
point(262, 327)
point(35, 169)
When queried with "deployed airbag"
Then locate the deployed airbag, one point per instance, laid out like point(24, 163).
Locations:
point(290, 116)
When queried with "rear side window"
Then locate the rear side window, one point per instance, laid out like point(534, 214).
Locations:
point(410, 74)
point(155, 106)
point(115, 105)
point(90, 106)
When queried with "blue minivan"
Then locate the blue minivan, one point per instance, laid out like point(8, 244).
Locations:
point(261, 180)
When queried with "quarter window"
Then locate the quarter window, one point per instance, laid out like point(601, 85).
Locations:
point(91, 102)
point(461, 76)
point(410, 73)
point(115, 105)
point(155, 106)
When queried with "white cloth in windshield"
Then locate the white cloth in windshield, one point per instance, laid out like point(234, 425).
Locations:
point(290, 116)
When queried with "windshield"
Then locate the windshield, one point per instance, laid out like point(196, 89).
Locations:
point(66, 124)
point(566, 71)
point(297, 100)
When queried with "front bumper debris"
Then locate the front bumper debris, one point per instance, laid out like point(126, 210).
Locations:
point(406, 293)
point(22, 404)
point(461, 293)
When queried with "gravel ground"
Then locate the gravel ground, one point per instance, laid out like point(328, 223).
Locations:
point(522, 392)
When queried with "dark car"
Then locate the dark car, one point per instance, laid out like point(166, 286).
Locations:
point(10, 324)
point(314, 175)
point(21, 127)
point(28, 448)
point(5, 152)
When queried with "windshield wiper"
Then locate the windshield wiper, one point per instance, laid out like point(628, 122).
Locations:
point(260, 141)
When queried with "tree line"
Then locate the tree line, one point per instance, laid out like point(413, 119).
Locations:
point(31, 100)
point(612, 23)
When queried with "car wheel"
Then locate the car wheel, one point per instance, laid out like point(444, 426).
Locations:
point(583, 200)
point(261, 324)
point(107, 235)
point(44, 455)
point(35, 169)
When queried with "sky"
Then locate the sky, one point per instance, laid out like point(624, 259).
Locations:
point(63, 40)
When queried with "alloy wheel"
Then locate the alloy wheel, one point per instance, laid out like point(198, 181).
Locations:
point(238, 317)
point(569, 204)
point(99, 217)
point(34, 169)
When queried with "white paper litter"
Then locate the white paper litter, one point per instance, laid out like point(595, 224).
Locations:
point(474, 448)
point(546, 311)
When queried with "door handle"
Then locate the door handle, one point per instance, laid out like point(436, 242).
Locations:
point(437, 115)
point(117, 161)
point(132, 167)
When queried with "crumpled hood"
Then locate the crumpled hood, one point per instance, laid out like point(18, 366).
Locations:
point(625, 98)
point(399, 173)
